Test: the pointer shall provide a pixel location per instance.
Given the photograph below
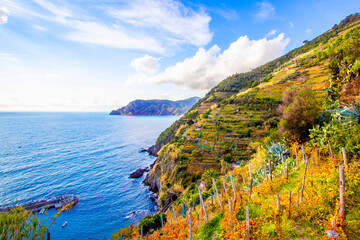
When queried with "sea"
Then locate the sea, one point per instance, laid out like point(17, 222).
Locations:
point(90, 155)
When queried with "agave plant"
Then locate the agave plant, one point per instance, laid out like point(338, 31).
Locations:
point(348, 112)
point(277, 150)
point(351, 112)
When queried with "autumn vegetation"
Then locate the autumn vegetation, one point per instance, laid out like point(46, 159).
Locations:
point(293, 123)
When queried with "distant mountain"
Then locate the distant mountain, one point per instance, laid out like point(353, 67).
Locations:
point(156, 107)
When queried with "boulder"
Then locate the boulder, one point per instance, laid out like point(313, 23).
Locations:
point(138, 173)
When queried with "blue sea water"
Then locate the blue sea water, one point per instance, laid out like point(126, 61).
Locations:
point(89, 155)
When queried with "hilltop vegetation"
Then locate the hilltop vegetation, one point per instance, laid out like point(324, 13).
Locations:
point(261, 118)
point(156, 107)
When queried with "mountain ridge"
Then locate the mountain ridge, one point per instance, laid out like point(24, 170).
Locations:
point(156, 107)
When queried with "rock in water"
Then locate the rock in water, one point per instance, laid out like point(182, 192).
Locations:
point(138, 173)
point(331, 234)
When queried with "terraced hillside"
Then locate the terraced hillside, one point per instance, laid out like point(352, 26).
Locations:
point(236, 123)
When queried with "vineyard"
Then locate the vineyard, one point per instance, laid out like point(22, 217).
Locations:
point(268, 154)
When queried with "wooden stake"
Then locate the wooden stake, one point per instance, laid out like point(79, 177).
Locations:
point(225, 185)
point(289, 204)
point(190, 225)
point(147, 236)
point(231, 224)
point(297, 158)
point(48, 235)
point(278, 203)
point(283, 163)
point(247, 222)
point(174, 213)
point(344, 156)
point(203, 204)
point(342, 191)
point(331, 151)
point(250, 171)
point(303, 184)
point(303, 152)
point(233, 186)
point(318, 156)
point(141, 236)
point(270, 170)
point(287, 170)
point(250, 188)
point(217, 193)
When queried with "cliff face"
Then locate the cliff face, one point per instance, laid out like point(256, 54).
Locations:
point(156, 107)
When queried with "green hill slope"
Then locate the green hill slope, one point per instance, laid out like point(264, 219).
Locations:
point(303, 97)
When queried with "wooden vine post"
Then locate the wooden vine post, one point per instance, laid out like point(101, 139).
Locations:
point(141, 232)
point(344, 156)
point(278, 203)
point(231, 224)
point(250, 186)
point(289, 203)
point(225, 185)
point(190, 225)
point(217, 193)
point(303, 152)
point(297, 158)
point(303, 184)
point(342, 191)
point(233, 186)
point(331, 151)
point(287, 170)
point(270, 170)
point(174, 213)
point(247, 223)
point(283, 163)
point(318, 156)
point(203, 204)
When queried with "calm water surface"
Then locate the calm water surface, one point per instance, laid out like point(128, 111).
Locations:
point(90, 155)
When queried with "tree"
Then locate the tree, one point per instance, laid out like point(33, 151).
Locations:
point(298, 111)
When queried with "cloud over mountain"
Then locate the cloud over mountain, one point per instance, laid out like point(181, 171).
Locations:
point(208, 67)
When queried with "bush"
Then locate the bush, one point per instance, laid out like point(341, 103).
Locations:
point(298, 113)
point(151, 222)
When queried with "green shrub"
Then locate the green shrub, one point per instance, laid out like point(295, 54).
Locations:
point(151, 222)
point(298, 113)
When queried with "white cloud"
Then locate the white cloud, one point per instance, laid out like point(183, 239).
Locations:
point(151, 25)
point(208, 67)
point(291, 24)
point(9, 57)
point(168, 18)
point(39, 28)
point(225, 12)
point(308, 31)
point(148, 64)
point(271, 33)
point(4, 12)
point(266, 10)
point(111, 36)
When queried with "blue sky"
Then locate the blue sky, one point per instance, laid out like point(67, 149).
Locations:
point(97, 55)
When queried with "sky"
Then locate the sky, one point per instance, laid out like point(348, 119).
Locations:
point(98, 55)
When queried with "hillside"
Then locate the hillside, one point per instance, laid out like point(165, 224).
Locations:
point(156, 107)
point(291, 120)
